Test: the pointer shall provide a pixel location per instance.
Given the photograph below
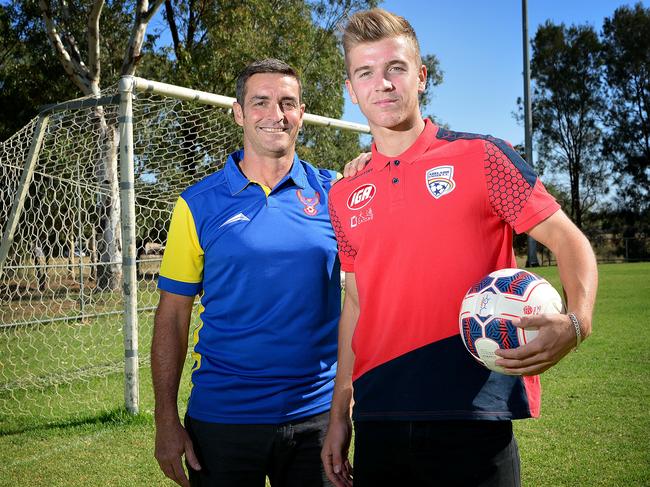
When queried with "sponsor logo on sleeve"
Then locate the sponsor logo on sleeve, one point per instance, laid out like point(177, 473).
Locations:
point(361, 196)
point(440, 181)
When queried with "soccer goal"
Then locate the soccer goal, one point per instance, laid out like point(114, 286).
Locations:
point(87, 191)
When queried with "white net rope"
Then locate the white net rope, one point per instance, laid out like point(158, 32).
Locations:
point(61, 299)
point(60, 335)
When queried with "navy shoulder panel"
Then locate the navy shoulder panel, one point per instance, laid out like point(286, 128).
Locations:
point(522, 166)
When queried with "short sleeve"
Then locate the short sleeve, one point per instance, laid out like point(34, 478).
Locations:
point(515, 192)
point(181, 271)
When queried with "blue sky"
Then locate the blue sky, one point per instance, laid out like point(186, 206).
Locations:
point(479, 46)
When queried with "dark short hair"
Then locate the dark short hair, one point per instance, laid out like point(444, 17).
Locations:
point(269, 65)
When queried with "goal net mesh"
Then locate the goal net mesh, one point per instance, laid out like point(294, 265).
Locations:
point(61, 298)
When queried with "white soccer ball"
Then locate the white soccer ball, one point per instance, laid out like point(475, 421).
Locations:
point(490, 305)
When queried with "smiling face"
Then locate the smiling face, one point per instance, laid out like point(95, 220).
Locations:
point(271, 114)
point(385, 81)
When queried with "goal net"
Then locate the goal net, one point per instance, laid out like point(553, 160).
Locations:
point(87, 191)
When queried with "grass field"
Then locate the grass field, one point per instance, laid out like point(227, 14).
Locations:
point(593, 431)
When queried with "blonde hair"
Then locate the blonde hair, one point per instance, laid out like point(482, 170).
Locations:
point(375, 25)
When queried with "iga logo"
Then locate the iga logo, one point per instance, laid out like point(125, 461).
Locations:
point(361, 196)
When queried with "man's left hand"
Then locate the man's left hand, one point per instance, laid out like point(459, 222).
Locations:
point(356, 164)
point(556, 338)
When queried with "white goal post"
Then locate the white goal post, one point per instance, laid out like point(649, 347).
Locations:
point(88, 189)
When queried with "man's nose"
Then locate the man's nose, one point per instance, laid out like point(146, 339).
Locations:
point(383, 84)
point(276, 112)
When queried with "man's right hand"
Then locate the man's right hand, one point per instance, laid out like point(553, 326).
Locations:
point(172, 441)
point(335, 452)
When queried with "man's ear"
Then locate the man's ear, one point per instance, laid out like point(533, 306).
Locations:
point(422, 79)
point(302, 113)
point(353, 96)
point(238, 113)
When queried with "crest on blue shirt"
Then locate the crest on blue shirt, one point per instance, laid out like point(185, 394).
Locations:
point(440, 181)
point(309, 203)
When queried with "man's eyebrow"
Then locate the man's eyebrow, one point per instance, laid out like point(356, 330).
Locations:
point(392, 62)
point(361, 68)
point(258, 98)
point(289, 98)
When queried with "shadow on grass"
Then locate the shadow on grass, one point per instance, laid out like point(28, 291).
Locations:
point(114, 417)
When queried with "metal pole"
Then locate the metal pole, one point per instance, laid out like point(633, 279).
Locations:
point(531, 261)
point(127, 200)
point(23, 187)
point(82, 298)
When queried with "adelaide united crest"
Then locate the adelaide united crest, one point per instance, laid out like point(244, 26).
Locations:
point(309, 203)
point(440, 181)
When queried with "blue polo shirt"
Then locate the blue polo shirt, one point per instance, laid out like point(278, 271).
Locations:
point(267, 270)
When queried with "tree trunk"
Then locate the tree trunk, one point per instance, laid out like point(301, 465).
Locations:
point(576, 205)
point(109, 271)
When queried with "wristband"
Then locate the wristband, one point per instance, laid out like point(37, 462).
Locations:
point(576, 325)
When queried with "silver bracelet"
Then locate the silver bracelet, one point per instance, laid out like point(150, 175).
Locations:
point(576, 325)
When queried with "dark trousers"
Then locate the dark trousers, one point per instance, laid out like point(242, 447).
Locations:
point(243, 455)
point(435, 453)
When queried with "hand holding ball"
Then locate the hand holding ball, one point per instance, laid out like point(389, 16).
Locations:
point(490, 306)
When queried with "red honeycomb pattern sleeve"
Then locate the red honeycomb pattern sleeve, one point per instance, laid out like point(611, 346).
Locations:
point(508, 189)
point(347, 252)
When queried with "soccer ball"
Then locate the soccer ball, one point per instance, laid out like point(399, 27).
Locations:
point(490, 305)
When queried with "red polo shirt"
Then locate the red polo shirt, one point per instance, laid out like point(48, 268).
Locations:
point(418, 230)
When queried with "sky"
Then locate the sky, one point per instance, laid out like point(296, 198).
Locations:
point(479, 46)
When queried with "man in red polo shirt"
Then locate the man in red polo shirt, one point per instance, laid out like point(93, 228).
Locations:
point(432, 213)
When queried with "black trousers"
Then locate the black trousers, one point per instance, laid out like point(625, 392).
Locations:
point(435, 453)
point(243, 455)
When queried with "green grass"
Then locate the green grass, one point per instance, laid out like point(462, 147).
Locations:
point(594, 425)
point(593, 430)
point(60, 370)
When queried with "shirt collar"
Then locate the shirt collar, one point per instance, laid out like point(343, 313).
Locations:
point(237, 182)
point(417, 148)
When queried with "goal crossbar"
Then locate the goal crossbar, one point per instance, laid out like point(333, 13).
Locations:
point(158, 88)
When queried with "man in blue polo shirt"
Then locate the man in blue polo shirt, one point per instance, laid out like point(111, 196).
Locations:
point(254, 240)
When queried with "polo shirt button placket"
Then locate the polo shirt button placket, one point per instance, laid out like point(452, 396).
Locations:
point(397, 183)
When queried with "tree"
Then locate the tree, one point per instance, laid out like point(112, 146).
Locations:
point(64, 24)
point(213, 40)
point(626, 57)
point(434, 78)
point(567, 102)
point(30, 73)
